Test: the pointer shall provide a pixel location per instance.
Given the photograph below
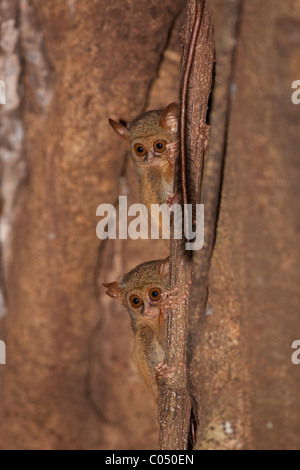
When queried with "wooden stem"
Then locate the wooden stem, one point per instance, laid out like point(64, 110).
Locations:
point(197, 64)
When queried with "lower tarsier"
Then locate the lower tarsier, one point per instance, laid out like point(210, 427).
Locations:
point(153, 143)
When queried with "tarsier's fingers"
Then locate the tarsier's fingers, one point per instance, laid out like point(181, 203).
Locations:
point(178, 296)
point(163, 367)
point(167, 300)
point(205, 133)
point(169, 292)
point(170, 301)
point(163, 372)
point(172, 151)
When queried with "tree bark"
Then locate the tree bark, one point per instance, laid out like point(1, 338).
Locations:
point(82, 62)
point(243, 379)
point(196, 79)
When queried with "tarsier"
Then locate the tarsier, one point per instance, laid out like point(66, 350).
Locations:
point(153, 144)
point(145, 292)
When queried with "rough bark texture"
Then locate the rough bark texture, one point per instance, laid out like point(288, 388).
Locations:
point(245, 382)
point(196, 81)
point(99, 64)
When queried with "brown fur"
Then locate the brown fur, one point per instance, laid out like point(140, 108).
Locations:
point(155, 171)
point(148, 322)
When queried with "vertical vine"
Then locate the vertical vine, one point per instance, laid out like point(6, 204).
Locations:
point(196, 80)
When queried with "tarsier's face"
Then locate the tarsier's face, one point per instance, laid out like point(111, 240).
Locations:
point(151, 150)
point(150, 135)
point(142, 289)
point(146, 301)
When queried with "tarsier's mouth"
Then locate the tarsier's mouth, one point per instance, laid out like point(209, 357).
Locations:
point(153, 158)
point(151, 312)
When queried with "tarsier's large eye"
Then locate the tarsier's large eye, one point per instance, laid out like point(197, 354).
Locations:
point(160, 146)
point(155, 294)
point(135, 301)
point(140, 150)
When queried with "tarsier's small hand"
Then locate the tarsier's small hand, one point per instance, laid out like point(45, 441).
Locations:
point(172, 298)
point(172, 152)
point(205, 133)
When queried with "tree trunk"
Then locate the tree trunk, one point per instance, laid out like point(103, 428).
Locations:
point(80, 63)
point(242, 375)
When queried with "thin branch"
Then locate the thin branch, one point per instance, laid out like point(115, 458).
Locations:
point(184, 93)
point(197, 65)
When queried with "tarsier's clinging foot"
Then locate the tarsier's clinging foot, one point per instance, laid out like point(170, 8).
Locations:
point(172, 199)
point(163, 372)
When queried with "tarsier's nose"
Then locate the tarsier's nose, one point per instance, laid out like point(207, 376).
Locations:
point(149, 310)
point(150, 157)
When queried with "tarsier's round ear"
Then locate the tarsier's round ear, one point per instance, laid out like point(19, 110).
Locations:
point(164, 267)
point(169, 118)
point(114, 290)
point(119, 128)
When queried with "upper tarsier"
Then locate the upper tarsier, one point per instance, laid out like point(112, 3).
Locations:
point(153, 144)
